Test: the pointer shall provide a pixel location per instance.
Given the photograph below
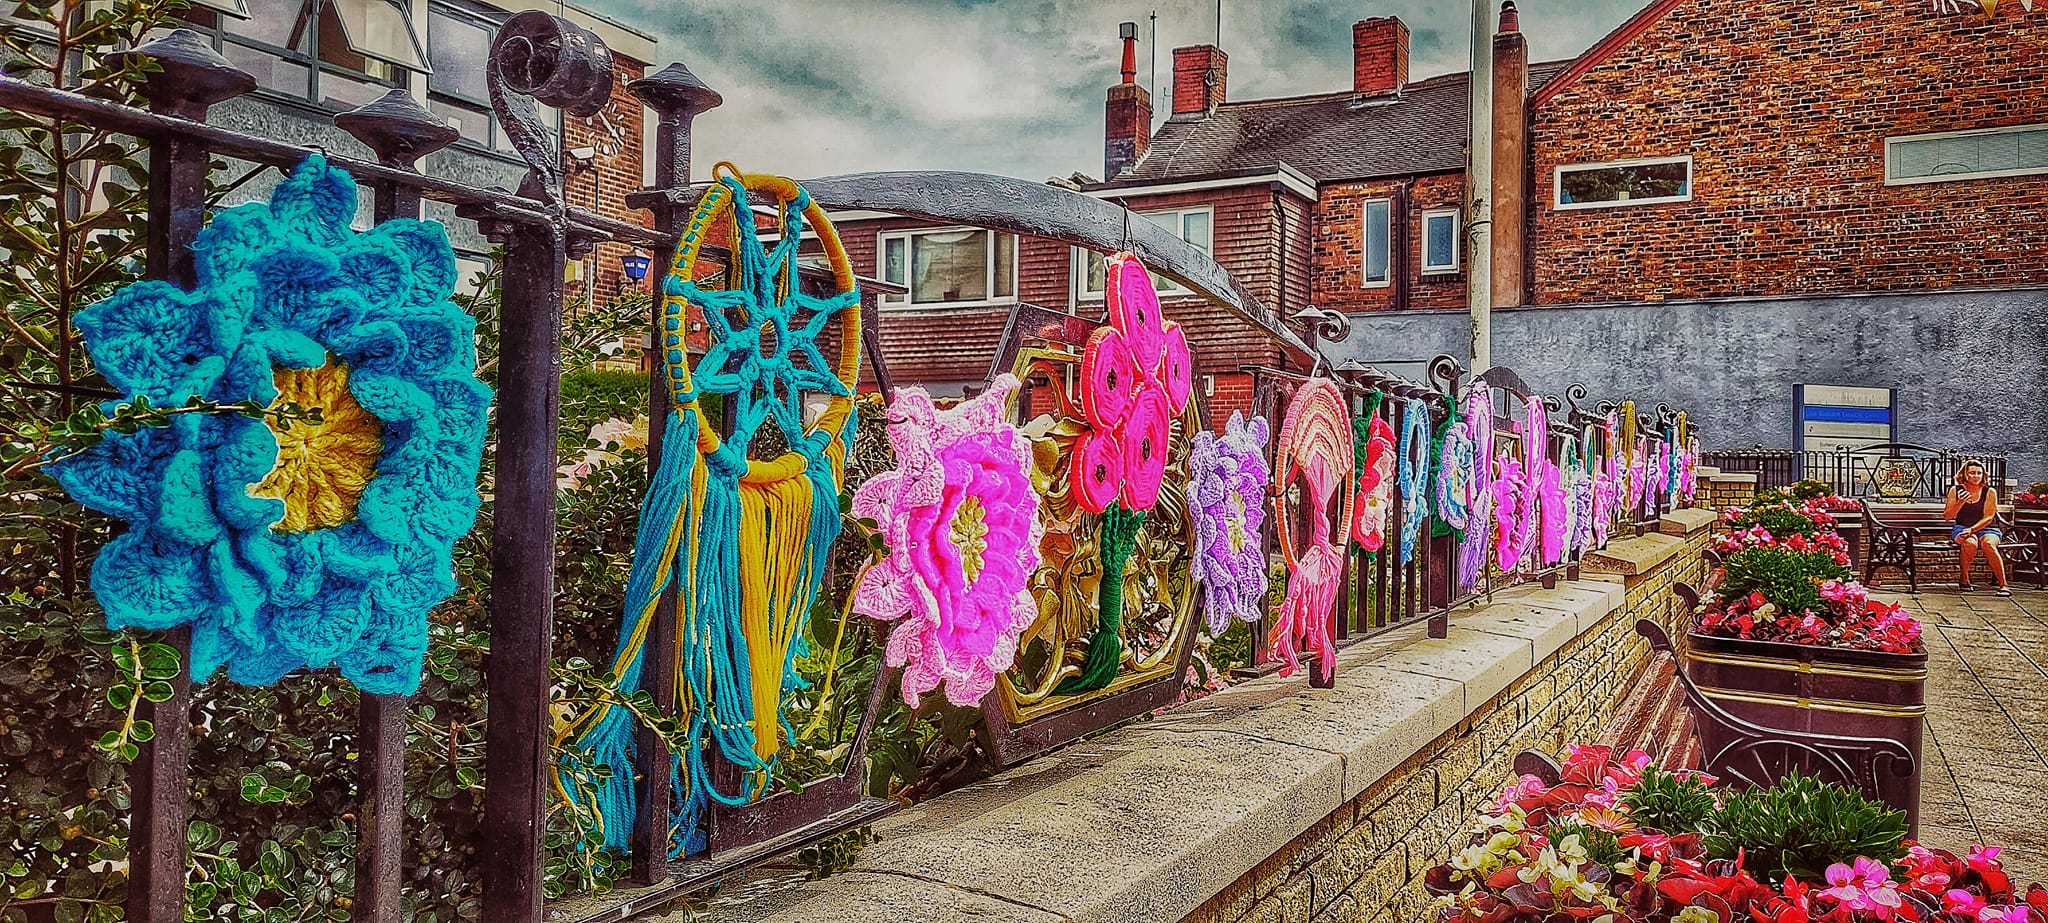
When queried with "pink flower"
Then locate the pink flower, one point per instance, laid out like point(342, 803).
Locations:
point(1960, 901)
point(2002, 915)
point(1525, 787)
point(1866, 886)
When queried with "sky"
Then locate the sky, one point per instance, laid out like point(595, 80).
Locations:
point(1014, 87)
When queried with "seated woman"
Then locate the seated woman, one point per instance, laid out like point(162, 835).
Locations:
point(1973, 507)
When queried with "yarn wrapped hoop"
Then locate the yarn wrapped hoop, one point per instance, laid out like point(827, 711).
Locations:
point(1177, 369)
point(1145, 443)
point(1098, 470)
point(1109, 375)
point(1316, 445)
point(832, 424)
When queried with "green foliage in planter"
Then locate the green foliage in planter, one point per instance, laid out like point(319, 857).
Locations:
point(1800, 826)
point(1669, 802)
point(1777, 518)
point(1809, 489)
point(1790, 579)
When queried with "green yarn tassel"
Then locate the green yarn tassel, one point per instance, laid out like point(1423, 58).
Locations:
point(1106, 648)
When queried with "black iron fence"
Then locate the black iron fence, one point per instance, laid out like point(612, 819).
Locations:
point(1887, 470)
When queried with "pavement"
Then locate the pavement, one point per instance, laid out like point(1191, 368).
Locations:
point(1986, 779)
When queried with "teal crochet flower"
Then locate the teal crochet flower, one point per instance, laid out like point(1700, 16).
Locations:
point(315, 544)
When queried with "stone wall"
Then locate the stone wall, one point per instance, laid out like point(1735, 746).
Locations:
point(1968, 365)
point(1365, 862)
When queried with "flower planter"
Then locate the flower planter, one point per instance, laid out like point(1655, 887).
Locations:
point(1819, 690)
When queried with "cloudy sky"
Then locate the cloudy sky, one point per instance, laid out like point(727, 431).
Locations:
point(1014, 87)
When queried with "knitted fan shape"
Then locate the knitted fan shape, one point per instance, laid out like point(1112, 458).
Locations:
point(319, 543)
point(1315, 443)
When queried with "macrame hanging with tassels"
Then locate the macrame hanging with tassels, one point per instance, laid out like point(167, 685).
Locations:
point(288, 544)
point(744, 542)
point(1316, 447)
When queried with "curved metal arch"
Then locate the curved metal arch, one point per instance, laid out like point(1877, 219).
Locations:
point(1003, 203)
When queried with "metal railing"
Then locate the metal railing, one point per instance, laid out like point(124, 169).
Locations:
point(1886, 469)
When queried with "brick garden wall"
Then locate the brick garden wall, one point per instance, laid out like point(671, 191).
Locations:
point(1785, 110)
point(1365, 862)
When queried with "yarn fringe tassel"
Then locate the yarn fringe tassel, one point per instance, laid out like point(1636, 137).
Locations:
point(1106, 648)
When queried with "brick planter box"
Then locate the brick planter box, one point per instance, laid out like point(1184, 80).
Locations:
point(1818, 690)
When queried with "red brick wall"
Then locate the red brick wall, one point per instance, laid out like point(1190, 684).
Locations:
point(617, 167)
point(1192, 66)
point(1784, 110)
point(1379, 56)
point(1339, 243)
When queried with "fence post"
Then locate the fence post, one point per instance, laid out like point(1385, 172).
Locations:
point(192, 79)
point(400, 131)
point(677, 97)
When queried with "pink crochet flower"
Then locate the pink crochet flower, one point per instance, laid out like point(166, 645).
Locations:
point(1136, 377)
point(961, 521)
point(1511, 526)
point(1375, 487)
point(1316, 446)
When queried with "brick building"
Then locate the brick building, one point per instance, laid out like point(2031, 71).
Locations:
point(1706, 148)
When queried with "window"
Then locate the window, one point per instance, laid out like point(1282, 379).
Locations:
point(1378, 256)
point(961, 266)
point(342, 53)
point(1624, 182)
point(2015, 151)
point(1439, 241)
point(1194, 225)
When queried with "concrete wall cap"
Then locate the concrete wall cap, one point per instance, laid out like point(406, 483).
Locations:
point(1632, 556)
point(1686, 522)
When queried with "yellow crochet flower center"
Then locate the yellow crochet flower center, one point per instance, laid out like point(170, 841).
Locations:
point(322, 467)
point(970, 534)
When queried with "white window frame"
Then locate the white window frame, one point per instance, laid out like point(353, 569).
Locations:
point(906, 300)
point(1558, 203)
point(1365, 239)
point(1890, 180)
point(1160, 283)
point(1457, 245)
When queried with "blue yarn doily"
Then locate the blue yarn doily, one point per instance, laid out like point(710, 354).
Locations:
point(282, 286)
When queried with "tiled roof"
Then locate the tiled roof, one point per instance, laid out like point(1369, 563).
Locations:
point(1330, 137)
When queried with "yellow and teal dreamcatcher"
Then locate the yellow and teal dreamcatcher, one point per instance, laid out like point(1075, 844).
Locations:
point(744, 541)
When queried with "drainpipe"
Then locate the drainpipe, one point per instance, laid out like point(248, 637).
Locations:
point(1479, 190)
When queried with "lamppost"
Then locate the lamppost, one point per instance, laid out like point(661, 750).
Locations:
point(634, 265)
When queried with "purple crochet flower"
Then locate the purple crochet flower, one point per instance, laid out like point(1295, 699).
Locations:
point(1227, 493)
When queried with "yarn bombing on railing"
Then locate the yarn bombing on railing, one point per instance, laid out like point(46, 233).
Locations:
point(960, 519)
point(1227, 485)
point(1415, 430)
point(1479, 523)
point(1455, 478)
point(1513, 496)
point(290, 543)
point(1373, 452)
point(745, 542)
point(1548, 481)
point(1316, 446)
point(1137, 376)
point(1605, 481)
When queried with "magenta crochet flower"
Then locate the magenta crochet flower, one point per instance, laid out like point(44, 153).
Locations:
point(1511, 493)
point(961, 521)
point(1227, 496)
point(1136, 378)
point(1548, 481)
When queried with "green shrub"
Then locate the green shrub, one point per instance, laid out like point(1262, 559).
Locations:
point(1800, 826)
point(1789, 578)
point(1809, 489)
point(1777, 518)
point(1672, 803)
point(1602, 847)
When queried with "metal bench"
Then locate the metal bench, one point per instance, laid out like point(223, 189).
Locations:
point(1902, 536)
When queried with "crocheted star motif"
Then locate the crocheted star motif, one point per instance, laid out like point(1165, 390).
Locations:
point(322, 543)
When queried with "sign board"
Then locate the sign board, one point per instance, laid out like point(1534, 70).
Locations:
point(1827, 418)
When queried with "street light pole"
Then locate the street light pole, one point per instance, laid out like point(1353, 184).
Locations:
point(1479, 191)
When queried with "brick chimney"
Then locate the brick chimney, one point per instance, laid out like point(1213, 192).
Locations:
point(1379, 56)
point(1126, 114)
point(1199, 73)
point(1510, 159)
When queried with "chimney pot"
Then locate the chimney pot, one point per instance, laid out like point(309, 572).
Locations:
point(1379, 56)
point(1510, 21)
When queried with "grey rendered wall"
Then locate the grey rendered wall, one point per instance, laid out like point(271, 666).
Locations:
point(1969, 366)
